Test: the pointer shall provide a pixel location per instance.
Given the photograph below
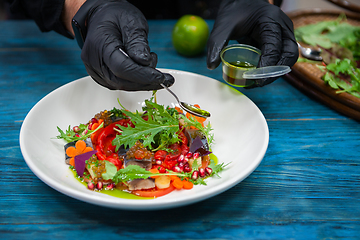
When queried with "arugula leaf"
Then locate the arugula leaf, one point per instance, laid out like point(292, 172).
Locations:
point(340, 43)
point(70, 136)
point(129, 173)
point(206, 130)
point(160, 129)
point(324, 33)
point(344, 75)
point(133, 172)
point(217, 168)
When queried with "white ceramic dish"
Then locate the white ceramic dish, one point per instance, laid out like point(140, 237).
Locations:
point(240, 129)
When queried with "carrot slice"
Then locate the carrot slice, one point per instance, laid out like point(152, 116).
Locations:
point(187, 184)
point(71, 151)
point(177, 183)
point(87, 149)
point(80, 148)
point(179, 110)
point(154, 170)
point(80, 145)
point(72, 162)
point(94, 126)
point(173, 177)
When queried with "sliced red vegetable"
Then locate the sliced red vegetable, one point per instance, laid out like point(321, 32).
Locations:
point(80, 162)
point(154, 193)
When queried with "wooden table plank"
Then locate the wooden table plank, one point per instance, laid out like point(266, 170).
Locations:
point(307, 186)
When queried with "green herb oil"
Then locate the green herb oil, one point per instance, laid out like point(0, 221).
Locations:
point(242, 64)
point(113, 192)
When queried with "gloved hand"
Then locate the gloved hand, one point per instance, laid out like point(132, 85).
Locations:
point(113, 25)
point(257, 23)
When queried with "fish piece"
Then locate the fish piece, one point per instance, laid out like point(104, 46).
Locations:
point(138, 184)
point(144, 163)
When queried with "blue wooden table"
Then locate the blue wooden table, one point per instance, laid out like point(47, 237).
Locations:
point(306, 187)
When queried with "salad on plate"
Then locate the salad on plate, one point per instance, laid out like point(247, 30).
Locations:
point(147, 154)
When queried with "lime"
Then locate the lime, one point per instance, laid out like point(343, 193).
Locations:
point(189, 35)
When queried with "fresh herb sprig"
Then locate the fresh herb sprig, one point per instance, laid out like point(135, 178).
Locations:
point(133, 172)
point(70, 136)
point(206, 129)
point(343, 75)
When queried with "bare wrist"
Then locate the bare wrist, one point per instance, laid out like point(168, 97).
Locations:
point(70, 9)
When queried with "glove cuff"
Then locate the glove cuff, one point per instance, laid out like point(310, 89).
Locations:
point(79, 22)
point(278, 2)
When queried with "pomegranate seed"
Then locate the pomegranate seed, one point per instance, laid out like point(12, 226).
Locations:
point(195, 175)
point(181, 158)
point(84, 132)
point(189, 155)
point(161, 169)
point(110, 186)
point(187, 168)
point(176, 169)
point(76, 129)
point(91, 186)
point(90, 126)
point(202, 172)
point(99, 185)
point(181, 164)
point(208, 171)
point(158, 162)
point(94, 120)
point(77, 135)
point(196, 155)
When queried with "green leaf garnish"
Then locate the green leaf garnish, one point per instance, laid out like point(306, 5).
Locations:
point(159, 130)
point(110, 171)
point(70, 136)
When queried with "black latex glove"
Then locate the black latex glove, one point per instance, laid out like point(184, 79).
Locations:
point(114, 24)
point(257, 23)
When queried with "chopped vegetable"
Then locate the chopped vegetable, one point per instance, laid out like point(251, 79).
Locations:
point(149, 154)
point(162, 182)
point(80, 148)
point(340, 42)
point(80, 162)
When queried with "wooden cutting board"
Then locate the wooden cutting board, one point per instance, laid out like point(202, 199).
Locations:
point(307, 77)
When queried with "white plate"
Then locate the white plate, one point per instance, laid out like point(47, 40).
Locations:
point(240, 130)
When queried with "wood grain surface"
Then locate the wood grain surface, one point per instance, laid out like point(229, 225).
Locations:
point(306, 187)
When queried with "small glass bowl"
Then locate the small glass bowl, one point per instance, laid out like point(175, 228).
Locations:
point(236, 59)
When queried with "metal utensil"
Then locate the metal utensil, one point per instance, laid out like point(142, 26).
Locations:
point(310, 53)
point(185, 106)
point(188, 107)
